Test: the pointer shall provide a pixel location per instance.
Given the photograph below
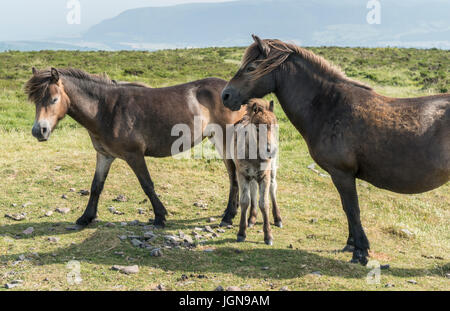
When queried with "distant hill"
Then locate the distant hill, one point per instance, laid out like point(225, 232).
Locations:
point(412, 23)
point(415, 23)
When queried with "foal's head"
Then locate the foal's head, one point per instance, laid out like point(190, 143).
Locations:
point(46, 90)
point(260, 113)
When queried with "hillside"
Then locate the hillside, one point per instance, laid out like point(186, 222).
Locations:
point(305, 254)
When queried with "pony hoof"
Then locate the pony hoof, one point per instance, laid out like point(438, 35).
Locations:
point(225, 223)
point(240, 239)
point(359, 257)
point(159, 223)
point(84, 221)
point(348, 249)
point(269, 242)
point(279, 224)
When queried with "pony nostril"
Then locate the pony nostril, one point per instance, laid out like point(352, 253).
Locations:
point(226, 96)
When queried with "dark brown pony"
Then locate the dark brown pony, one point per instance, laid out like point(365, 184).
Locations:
point(128, 121)
point(402, 145)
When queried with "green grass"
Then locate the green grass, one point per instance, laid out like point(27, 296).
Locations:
point(27, 171)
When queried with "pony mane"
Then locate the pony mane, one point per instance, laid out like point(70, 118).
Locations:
point(279, 54)
point(37, 86)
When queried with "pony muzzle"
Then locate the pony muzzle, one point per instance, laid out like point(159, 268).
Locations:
point(42, 130)
point(230, 99)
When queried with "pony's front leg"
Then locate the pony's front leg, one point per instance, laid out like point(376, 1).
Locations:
point(101, 172)
point(346, 185)
point(273, 195)
point(139, 167)
point(244, 188)
point(233, 198)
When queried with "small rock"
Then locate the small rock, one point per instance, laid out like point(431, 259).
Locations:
point(63, 210)
point(233, 289)
point(134, 223)
point(136, 242)
point(141, 211)
point(123, 237)
point(58, 168)
point(113, 210)
point(208, 250)
point(318, 273)
point(211, 219)
point(447, 275)
point(201, 205)
point(314, 220)
point(14, 205)
point(121, 198)
point(219, 289)
point(407, 233)
point(160, 287)
point(48, 213)
point(16, 217)
point(284, 289)
point(412, 282)
point(72, 190)
point(64, 197)
point(84, 192)
point(156, 252)
point(389, 285)
point(126, 269)
point(53, 239)
point(221, 230)
point(13, 284)
point(110, 225)
point(27, 204)
point(208, 229)
point(22, 257)
point(265, 268)
point(28, 231)
point(123, 224)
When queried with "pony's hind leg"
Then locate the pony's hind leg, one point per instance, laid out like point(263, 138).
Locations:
point(273, 195)
point(244, 188)
point(233, 198)
point(137, 163)
point(101, 172)
point(264, 207)
point(253, 203)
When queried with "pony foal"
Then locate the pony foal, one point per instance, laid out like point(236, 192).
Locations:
point(255, 152)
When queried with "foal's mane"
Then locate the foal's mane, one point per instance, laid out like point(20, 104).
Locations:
point(37, 86)
point(280, 52)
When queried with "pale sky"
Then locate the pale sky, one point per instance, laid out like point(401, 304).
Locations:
point(40, 19)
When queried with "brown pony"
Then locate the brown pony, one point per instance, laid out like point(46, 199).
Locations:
point(257, 171)
point(128, 121)
point(402, 145)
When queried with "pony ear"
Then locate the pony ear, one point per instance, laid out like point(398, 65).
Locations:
point(55, 74)
point(271, 106)
point(255, 108)
point(263, 46)
point(34, 71)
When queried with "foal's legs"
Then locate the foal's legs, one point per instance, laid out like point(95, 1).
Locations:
point(137, 163)
point(273, 195)
point(346, 186)
point(264, 207)
point(244, 188)
point(233, 198)
point(253, 203)
point(101, 172)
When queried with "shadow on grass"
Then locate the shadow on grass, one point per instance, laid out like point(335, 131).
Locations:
point(101, 247)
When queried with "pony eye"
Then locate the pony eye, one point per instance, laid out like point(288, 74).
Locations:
point(54, 100)
point(251, 68)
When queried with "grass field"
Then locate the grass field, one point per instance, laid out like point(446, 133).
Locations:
point(34, 176)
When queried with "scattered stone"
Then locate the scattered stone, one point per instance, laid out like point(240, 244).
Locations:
point(160, 287)
point(141, 211)
point(121, 198)
point(14, 205)
point(22, 257)
point(233, 289)
point(201, 204)
point(208, 229)
point(447, 275)
point(149, 235)
point(284, 289)
point(219, 289)
point(72, 190)
point(13, 284)
point(113, 210)
point(406, 233)
point(211, 219)
point(63, 210)
point(53, 239)
point(48, 213)
point(265, 268)
point(156, 252)
point(64, 197)
point(230, 227)
point(188, 239)
point(16, 217)
point(136, 242)
point(123, 224)
point(110, 225)
point(208, 250)
point(126, 269)
point(389, 285)
point(84, 192)
point(28, 231)
point(135, 223)
point(314, 220)
point(221, 230)
point(58, 168)
point(198, 229)
point(318, 273)
point(26, 204)
point(412, 282)
point(171, 239)
point(122, 237)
